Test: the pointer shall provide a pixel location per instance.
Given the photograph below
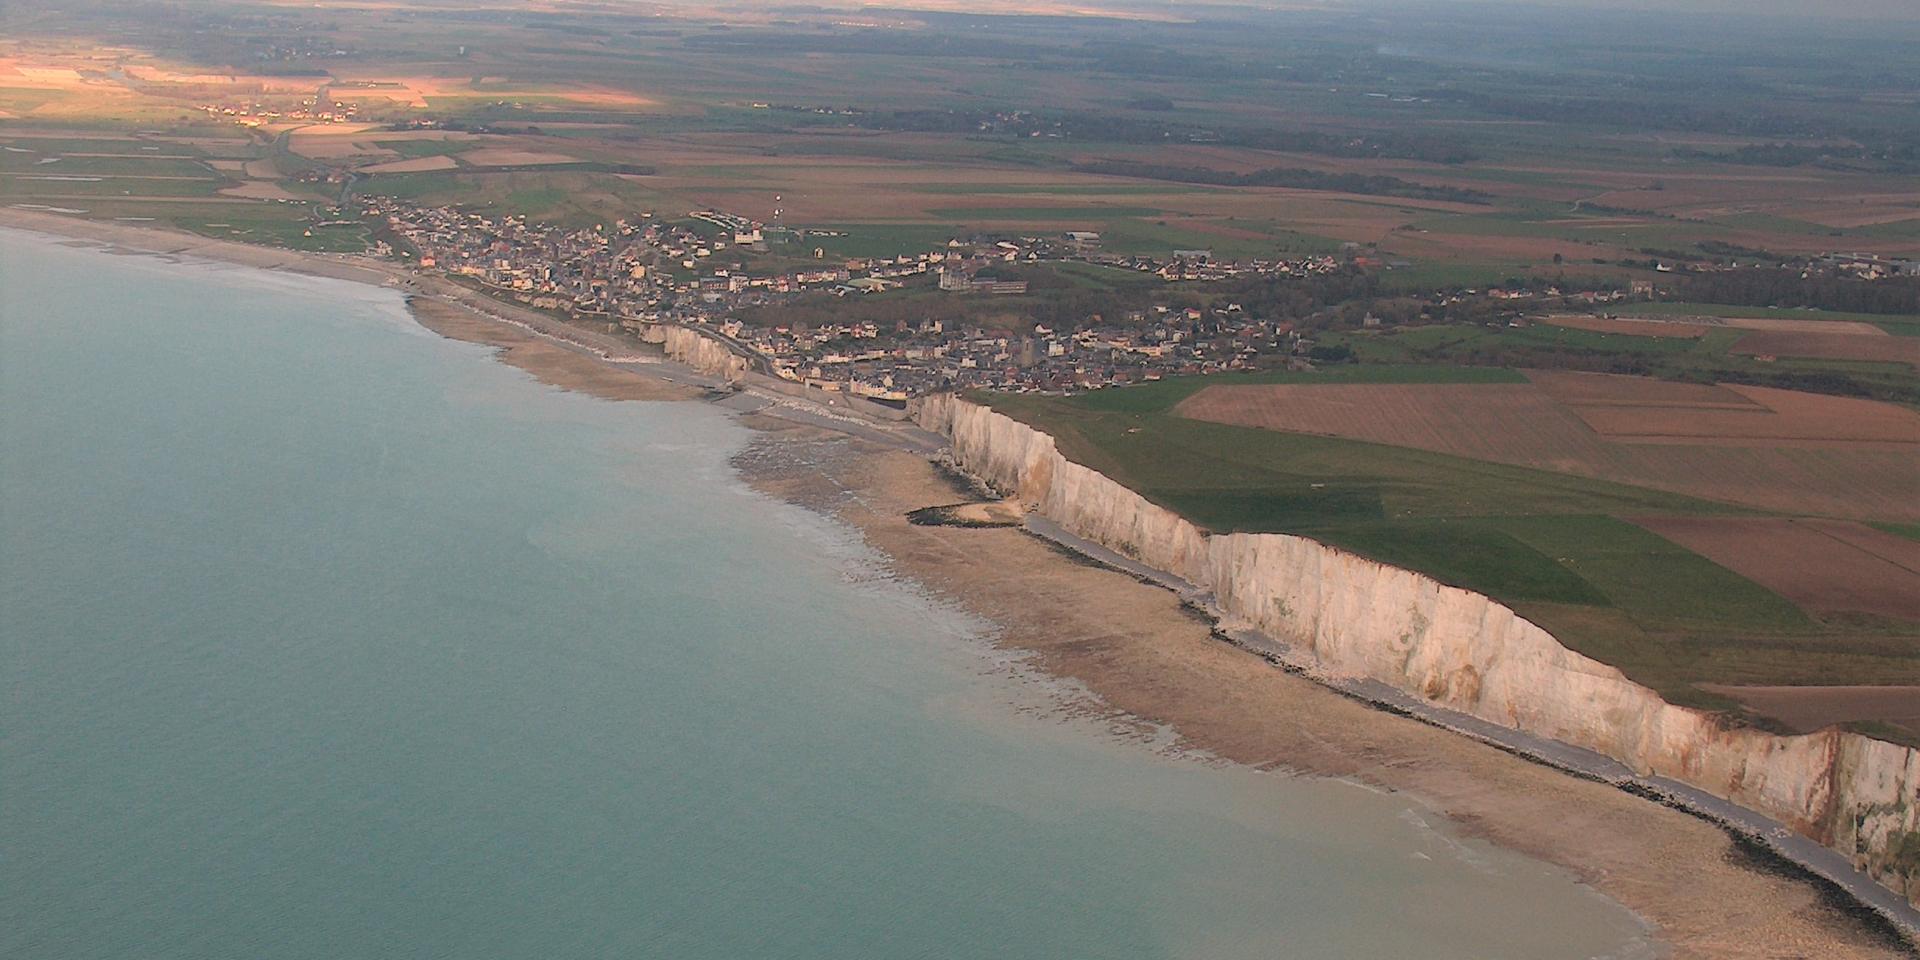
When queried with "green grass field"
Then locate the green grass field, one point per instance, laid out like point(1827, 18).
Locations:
point(34, 187)
point(1062, 189)
point(1450, 273)
point(1160, 238)
point(1160, 396)
point(118, 166)
point(1047, 214)
point(880, 239)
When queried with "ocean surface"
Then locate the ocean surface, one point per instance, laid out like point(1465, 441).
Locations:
point(325, 637)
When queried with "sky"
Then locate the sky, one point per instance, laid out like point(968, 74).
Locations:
point(1906, 10)
point(1843, 9)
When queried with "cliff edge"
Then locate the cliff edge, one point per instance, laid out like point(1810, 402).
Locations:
point(1465, 652)
point(704, 354)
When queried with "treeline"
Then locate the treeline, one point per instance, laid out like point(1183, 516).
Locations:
point(1291, 298)
point(1150, 61)
point(1353, 146)
point(1887, 158)
point(1725, 250)
point(1370, 184)
point(1126, 59)
point(1764, 154)
point(1118, 128)
point(894, 43)
point(1631, 112)
point(1787, 288)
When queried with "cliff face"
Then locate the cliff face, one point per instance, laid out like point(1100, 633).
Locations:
point(699, 352)
point(1461, 650)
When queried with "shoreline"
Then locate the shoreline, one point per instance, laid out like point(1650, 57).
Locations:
point(559, 354)
point(1812, 862)
point(1137, 647)
point(1150, 655)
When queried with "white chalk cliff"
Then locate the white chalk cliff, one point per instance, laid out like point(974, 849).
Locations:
point(696, 350)
point(1461, 650)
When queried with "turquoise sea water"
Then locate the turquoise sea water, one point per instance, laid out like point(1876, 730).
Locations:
point(325, 637)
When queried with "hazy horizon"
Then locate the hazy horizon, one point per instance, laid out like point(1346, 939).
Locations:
point(1751, 9)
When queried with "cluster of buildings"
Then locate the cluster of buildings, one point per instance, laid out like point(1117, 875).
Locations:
point(253, 113)
point(1868, 266)
point(693, 273)
point(643, 269)
point(702, 257)
point(910, 359)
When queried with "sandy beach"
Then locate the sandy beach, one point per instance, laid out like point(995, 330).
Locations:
point(547, 361)
point(1148, 660)
point(141, 238)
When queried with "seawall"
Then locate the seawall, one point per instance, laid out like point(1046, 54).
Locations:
point(709, 355)
point(1462, 651)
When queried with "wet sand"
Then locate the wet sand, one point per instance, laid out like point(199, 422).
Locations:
point(147, 238)
point(546, 360)
point(1147, 660)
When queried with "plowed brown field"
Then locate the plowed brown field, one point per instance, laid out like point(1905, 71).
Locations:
point(503, 157)
point(1772, 417)
point(1798, 325)
point(1598, 388)
point(415, 165)
point(1630, 326)
point(1831, 346)
point(1772, 449)
point(1824, 566)
point(1806, 709)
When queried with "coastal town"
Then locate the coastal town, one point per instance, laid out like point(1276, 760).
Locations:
point(707, 270)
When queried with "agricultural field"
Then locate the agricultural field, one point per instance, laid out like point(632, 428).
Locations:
point(1861, 358)
point(1900, 326)
point(1802, 336)
point(1663, 527)
point(1827, 566)
point(218, 186)
point(949, 123)
point(1830, 346)
point(1752, 446)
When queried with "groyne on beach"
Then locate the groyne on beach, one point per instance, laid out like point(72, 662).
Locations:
point(1346, 618)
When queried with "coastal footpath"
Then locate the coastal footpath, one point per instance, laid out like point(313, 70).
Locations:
point(1459, 650)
